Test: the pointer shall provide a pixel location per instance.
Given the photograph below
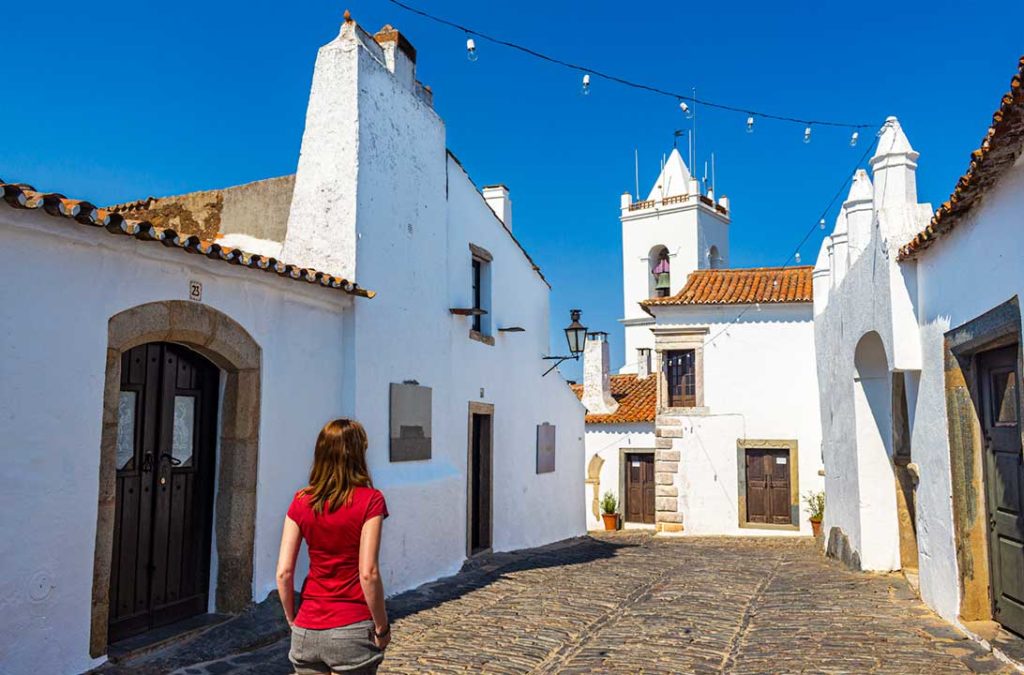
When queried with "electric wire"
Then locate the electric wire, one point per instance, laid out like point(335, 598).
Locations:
point(621, 80)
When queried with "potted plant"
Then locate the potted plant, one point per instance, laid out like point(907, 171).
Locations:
point(608, 506)
point(816, 507)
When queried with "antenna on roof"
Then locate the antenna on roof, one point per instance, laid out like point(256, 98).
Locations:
point(636, 172)
point(713, 173)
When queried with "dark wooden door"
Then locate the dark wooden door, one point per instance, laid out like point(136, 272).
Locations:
point(1000, 407)
point(165, 462)
point(639, 505)
point(480, 497)
point(768, 490)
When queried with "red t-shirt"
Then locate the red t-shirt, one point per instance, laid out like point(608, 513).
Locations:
point(331, 594)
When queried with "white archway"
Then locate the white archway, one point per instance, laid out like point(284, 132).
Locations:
point(872, 403)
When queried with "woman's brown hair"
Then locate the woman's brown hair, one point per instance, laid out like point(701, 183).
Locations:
point(339, 465)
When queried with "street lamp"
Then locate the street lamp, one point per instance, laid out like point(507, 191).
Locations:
point(576, 336)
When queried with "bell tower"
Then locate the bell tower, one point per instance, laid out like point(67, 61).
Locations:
point(678, 229)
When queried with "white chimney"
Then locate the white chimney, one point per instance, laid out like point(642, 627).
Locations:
point(643, 362)
point(497, 198)
point(597, 388)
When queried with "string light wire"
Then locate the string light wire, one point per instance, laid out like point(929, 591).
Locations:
point(621, 80)
point(810, 231)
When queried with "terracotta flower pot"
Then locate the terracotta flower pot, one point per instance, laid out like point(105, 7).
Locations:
point(816, 527)
point(611, 521)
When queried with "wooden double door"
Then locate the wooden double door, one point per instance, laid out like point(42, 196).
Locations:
point(768, 486)
point(639, 506)
point(1004, 482)
point(166, 439)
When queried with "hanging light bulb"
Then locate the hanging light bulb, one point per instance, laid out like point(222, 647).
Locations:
point(797, 256)
point(585, 90)
point(807, 135)
point(686, 110)
point(853, 139)
point(758, 306)
point(471, 49)
point(821, 224)
point(750, 124)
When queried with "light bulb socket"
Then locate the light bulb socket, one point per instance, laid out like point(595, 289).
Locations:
point(750, 124)
point(807, 135)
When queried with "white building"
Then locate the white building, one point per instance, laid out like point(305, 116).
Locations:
point(712, 430)
point(921, 341)
point(158, 409)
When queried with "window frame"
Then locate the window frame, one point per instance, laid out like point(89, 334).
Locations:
point(668, 340)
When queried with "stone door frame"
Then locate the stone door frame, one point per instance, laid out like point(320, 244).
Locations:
point(791, 445)
point(230, 347)
point(998, 327)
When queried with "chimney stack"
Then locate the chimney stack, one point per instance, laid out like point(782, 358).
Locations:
point(497, 198)
point(597, 388)
point(643, 362)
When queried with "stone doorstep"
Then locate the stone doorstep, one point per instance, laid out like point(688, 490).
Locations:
point(259, 625)
point(156, 639)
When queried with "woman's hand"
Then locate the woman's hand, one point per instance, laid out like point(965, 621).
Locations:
point(382, 637)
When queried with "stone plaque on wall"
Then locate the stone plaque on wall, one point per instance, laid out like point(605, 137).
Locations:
point(410, 422)
point(545, 448)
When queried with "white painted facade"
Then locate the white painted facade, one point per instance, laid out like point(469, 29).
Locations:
point(676, 216)
point(759, 384)
point(376, 195)
point(759, 380)
point(882, 317)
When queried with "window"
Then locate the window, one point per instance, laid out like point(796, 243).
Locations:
point(714, 258)
point(480, 293)
point(477, 293)
point(680, 377)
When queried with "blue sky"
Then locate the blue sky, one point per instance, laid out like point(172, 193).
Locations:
point(119, 100)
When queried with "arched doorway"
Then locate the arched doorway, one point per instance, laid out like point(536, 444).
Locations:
point(215, 350)
point(660, 279)
point(872, 403)
point(166, 445)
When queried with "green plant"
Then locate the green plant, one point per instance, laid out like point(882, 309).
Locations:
point(815, 504)
point(608, 503)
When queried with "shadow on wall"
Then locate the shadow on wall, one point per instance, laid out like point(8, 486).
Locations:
point(484, 570)
point(840, 549)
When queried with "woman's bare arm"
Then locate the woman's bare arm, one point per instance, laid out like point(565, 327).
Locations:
point(369, 577)
point(291, 538)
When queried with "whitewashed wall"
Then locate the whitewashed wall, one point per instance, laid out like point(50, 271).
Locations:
point(966, 273)
point(607, 441)
point(909, 306)
point(414, 215)
point(65, 281)
point(759, 383)
point(375, 191)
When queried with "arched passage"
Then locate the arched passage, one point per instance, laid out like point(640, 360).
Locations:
point(872, 403)
point(228, 346)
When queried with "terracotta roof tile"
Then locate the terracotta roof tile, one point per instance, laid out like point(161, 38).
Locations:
point(742, 287)
point(1002, 145)
point(637, 400)
point(21, 196)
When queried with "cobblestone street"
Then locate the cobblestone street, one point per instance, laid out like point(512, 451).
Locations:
point(631, 603)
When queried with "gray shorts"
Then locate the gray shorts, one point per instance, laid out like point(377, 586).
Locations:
point(349, 649)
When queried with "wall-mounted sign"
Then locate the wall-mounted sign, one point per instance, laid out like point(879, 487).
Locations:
point(195, 290)
point(781, 460)
point(410, 422)
point(545, 448)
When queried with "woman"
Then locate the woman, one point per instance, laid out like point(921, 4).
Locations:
point(342, 625)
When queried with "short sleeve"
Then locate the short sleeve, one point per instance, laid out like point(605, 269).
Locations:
point(298, 509)
point(376, 506)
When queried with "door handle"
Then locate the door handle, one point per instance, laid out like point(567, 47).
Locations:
point(147, 461)
point(172, 460)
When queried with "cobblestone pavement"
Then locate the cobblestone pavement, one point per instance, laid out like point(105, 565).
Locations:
point(631, 603)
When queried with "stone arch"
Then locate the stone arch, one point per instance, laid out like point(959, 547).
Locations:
point(872, 404)
point(594, 480)
point(229, 346)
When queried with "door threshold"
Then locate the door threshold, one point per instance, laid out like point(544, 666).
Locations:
point(158, 638)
